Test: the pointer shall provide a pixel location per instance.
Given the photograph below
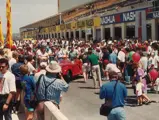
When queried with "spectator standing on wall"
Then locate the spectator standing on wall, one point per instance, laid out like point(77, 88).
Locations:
point(49, 87)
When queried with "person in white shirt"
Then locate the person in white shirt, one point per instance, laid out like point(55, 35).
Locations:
point(41, 72)
point(139, 92)
point(31, 68)
point(155, 61)
point(144, 62)
point(13, 60)
point(7, 90)
point(150, 60)
point(111, 67)
point(157, 85)
point(42, 54)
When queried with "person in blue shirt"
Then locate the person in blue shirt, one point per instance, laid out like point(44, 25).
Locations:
point(16, 71)
point(114, 96)
point(113, 57)
point(28, 85)
point(50, 87)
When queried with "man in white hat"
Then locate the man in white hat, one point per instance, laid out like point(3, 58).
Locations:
point(49, 86)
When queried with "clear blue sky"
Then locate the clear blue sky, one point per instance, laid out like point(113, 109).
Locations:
point(27, 11)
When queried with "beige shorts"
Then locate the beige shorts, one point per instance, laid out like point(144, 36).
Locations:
point(85, 67)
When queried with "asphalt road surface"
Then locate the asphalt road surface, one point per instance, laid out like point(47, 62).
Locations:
point(82, 102)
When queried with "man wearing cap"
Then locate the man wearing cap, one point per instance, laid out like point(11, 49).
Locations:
point(50, 86)
point(114, 93)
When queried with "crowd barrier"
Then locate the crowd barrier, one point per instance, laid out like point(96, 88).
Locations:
point(51, 112)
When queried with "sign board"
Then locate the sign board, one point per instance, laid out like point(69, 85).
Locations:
point(118, 18)
point(156, 14)
point(88, 31)
point(89, 23)
point(81, 24)
point(125, 17)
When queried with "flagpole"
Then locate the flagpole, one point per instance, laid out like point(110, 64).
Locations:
point(9, 24)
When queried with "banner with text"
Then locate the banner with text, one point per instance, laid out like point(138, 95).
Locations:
point(122, 17)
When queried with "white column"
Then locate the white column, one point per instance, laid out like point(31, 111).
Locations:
point(137, 17)
point(123, 25)
point(50, 35)
point(144, 25)
point(80, 33)
point(58, 35)
point(153, 29)
point(61, 35)
point(112, 31)
point(86, 36)
point(65, 34)
point(69, 34)
point(102, 33)
point(94, 33)
point(74, 34)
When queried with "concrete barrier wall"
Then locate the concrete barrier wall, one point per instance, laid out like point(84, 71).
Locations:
point(51, 112)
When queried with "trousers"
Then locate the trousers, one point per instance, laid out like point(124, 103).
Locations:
point(7, 114)
point(117, 114)
point(96, 75)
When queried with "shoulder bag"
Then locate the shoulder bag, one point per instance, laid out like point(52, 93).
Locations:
point(105, 109)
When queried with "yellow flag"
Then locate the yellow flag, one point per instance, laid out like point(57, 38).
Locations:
point(9, 24)
point(1, 33)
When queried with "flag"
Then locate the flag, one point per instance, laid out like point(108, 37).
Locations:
point(9, 24)
point(1, 33)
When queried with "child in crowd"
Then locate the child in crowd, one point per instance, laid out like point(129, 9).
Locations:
point(139, 92)
point(28, 85)
point(157, 85)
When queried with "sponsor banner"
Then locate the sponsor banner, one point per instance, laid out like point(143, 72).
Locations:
point(124, 17)
point(50, 29)
point(58, 28)
point(73, 25)
point(89, 23)
point(97, 21)
point(118, 18)
point(155, 14)
point(54, 28)
point(46, 30)
point(62, 27)
point(42, 30)
point(81, 24)
point(68, 26)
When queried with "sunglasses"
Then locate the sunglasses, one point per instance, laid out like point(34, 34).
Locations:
point(2, 67)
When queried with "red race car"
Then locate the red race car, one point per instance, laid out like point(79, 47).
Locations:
point(71, 69)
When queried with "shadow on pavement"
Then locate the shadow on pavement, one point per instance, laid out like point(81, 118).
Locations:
point(78, 82)
point(131, 101)
point(151, 92)
point(86, 87)
point(129, 87)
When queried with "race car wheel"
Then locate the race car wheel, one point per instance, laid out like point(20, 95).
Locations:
point(68, 77)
